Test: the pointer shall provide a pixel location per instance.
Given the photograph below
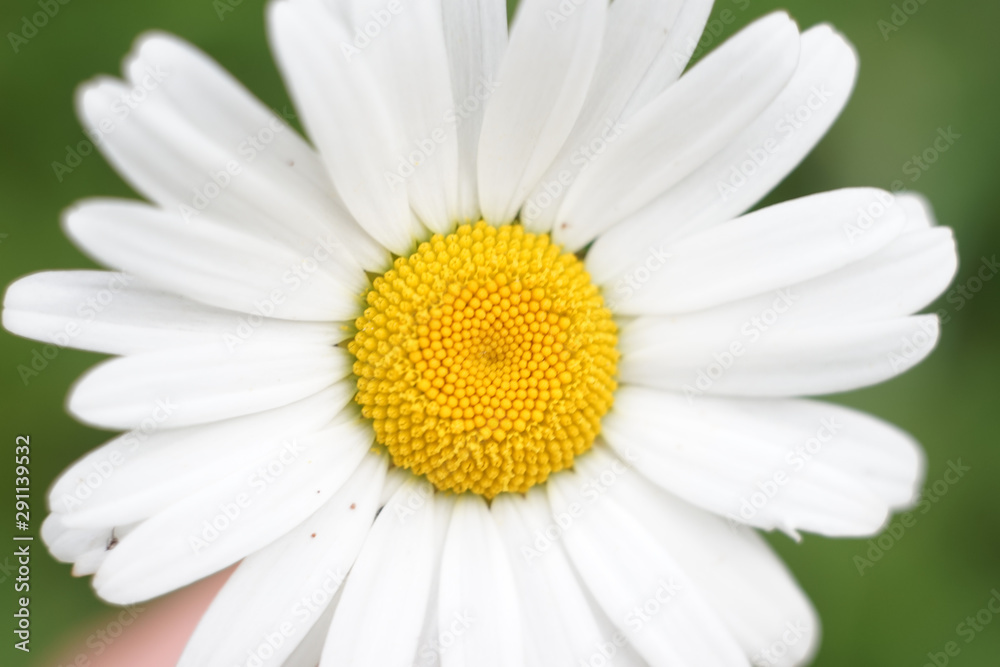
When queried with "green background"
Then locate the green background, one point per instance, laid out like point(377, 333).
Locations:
point(939, 70)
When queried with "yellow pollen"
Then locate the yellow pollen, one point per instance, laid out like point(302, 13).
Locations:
point(485, 360)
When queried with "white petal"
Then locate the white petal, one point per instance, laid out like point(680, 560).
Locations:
point(85, 548)
point(216, 265)
point(410, 63)
point(744, 171)
point(400, 555)
point(347, 117)
point(476, 37)
point(807, 361)
point(901, 279)
point(435, 638)
point(643, 52)
point(67, 544)
point(194, 385)
point(192, 139)
point(142, 472)
point(740, 576)
point(765, 250)
point(612, 642)
point(788, 464)
point(396, 478)
point(681, 129)
point(478, 591)
point(558, 626)
point(115, 313)
point(276, 594)
point(227, 521)
point(543, 81)
point(627, 570)
point(919, 212)
point(310, 649)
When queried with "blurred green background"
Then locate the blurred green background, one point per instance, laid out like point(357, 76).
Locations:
point(937, 70)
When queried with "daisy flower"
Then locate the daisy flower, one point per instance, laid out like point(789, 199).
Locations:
point(497, 370)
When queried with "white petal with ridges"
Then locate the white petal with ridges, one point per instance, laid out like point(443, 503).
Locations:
point(216, 265)
point(192, 139)
point(400, 554)
point(765, 250)
point(558, 626)
point(751, 164)
point(644, 51)
point(310, 650)
point(410, 63)
point(478, 591)
point(737, 572)
point(900, 279)
point(257, 606)
point(347, 116)
point(681, 129)
point(543, 82)
point(627, 571)
point(144, 471)
point(232, 519)
point(822, 359)
point(115, 313)
point(475, 34)
point(195, 385)
point(792, 465)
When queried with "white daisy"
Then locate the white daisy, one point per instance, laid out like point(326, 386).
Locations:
point(501, 373)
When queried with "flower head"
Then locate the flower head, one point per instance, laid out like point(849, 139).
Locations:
point(499, 370)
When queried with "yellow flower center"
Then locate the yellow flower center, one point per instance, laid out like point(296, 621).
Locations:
point(485, 360)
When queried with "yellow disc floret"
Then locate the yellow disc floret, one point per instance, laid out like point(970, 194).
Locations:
point(485, 360)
